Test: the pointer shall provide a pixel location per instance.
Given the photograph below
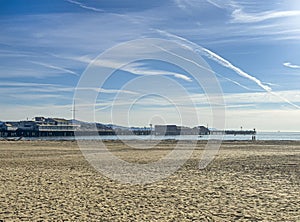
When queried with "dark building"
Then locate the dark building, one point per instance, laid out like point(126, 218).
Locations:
point(28, 125)
point(166, 130)
point(11, 126)
point(203, 130)
point(2, 126)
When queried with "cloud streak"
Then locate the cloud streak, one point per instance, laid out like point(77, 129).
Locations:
point(84, 6)
point(55, 68)
point(289, 65)
point(133, 68)
point(239, 16)
point(24, 87)
point(225, 63)
point(136, 68)
point(236, 69)
point(107, 91)
point(215, 57)
point(215, 3)
point(235, 82)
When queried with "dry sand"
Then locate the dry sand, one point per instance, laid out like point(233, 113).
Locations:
point(248, 181)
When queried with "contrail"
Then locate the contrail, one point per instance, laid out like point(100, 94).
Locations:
point(55, 68)
point(230, 80)
point(234, 82)
point(215, 57)
point(84, 6)
point(199, 49)
point(229, 65)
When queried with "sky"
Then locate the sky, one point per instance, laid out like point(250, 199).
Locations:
point(251, 48)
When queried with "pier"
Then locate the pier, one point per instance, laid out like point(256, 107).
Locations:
point(111, 132)
point(53, 133)
point(59, 127)
point(68, 133)
point(232, 132)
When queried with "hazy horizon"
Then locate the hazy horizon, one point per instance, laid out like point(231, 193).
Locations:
point(252, 48)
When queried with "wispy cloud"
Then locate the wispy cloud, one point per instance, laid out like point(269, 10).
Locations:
point(290, 65)
point(235, 82)
point(262, 97)
point(13, 53)
point(24, 87)
point(215, 3)
point(24, 84)
point(222, 61)
point(137, 68)
point(239, 16)
point(85, 6)
point(217, 58)
point(107, 91)
point(63, 70)
point(180, 4)
point(34, 96)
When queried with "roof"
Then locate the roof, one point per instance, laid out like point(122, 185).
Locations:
point(60, 120)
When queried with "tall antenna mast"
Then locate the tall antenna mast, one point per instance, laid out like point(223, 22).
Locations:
point(73, 110)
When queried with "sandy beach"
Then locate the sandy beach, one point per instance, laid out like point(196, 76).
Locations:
point(247, 181)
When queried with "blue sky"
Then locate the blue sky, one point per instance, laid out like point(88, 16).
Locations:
point(252, 46)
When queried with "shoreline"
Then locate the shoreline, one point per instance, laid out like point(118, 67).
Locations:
point(286, 137)
point(278, 141)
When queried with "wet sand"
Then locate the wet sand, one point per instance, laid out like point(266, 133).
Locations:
point(247, 181)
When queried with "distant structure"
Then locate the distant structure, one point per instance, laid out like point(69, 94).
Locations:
point(173, 130)
point(73, 111)
point(39, 126)
point(166, 130)
point(203, 130)
point(59, 124)
point(45, 127)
